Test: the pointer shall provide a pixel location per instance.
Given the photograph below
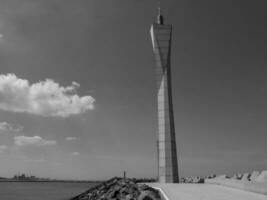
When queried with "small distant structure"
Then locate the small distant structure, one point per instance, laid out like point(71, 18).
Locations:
point(124, 175)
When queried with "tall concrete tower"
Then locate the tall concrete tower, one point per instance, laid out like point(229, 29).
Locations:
point(167, 154)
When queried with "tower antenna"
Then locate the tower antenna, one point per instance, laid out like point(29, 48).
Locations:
point(159, 7)
point(160, 16)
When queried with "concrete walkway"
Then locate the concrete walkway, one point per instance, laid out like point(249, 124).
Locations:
point(205, 192)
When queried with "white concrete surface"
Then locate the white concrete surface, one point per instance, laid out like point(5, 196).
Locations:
point(205, 192)
point(251, 186)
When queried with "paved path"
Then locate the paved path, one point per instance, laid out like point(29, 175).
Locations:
point(205, 192)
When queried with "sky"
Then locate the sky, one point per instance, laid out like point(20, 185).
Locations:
point(78, 87)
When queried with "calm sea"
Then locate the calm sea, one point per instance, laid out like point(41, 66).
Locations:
point(41, 190)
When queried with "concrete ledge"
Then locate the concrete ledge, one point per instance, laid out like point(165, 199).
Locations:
point(251, 186)
point(174, 191)
point(162, 193)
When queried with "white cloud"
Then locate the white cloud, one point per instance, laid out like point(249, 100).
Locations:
point(45, 98)
point(35, 141)
point(4, 126)
point(71, 138)
point(75, 153)
point(2, 148)
point(75, 84)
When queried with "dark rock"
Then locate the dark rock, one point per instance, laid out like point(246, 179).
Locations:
point(148, 195)
point(144, 187)
point(119, 189)
point(129, 197)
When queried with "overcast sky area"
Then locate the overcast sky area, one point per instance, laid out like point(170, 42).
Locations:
point(78, 87)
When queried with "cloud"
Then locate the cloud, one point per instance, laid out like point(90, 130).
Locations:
point(32, 141)
point(75, 153)
point(4, 126)
point(75, 84)
point(2, 148)
point(71, 138)
point(45, 98)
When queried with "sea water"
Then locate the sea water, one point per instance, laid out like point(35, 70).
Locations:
point(42, 190)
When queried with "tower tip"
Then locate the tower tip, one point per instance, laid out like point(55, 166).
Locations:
point(160, 16)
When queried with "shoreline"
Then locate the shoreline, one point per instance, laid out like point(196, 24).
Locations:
point(60, 181)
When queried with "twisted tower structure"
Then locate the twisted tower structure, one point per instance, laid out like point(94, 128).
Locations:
point(167, 154)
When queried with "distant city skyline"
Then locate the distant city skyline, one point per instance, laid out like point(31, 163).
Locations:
point(78, 93)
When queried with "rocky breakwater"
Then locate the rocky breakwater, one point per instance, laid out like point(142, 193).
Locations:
point(119, 189)
point(253, 182)
point(195, 179)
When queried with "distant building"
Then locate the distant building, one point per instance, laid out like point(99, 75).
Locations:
point(24, 177)
point(167, 154)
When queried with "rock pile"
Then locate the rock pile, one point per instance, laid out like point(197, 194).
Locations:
point(195, 179)
point(253, 182)
point(119, 189)
point(255, 176)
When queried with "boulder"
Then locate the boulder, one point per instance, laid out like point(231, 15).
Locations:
point(245, 177)
point(212, 176)
point(182, 180)
point(221, 176)
point(129, 197)
point(254, 175)
point(148, 195)
point(234, 176)
point(262, 177)
point(239, 176)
